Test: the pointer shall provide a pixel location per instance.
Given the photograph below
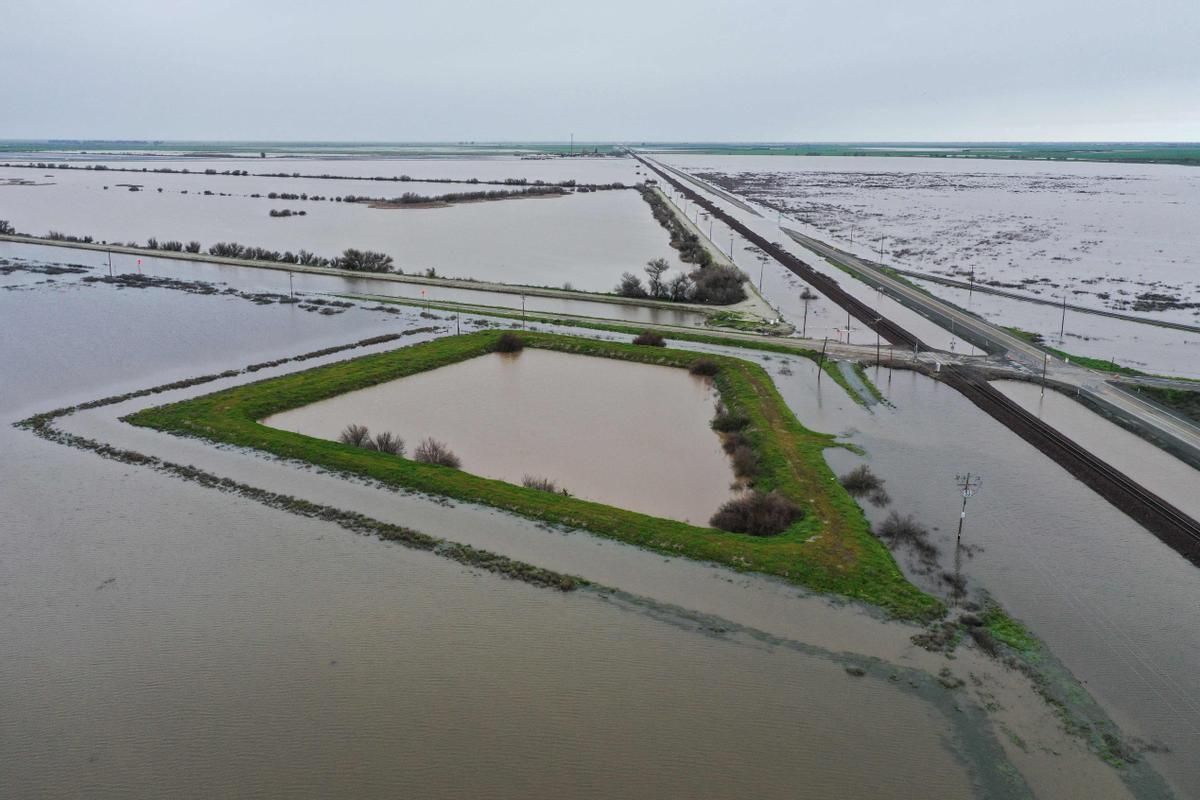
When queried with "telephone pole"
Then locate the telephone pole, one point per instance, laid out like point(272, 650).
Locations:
point(968, 485)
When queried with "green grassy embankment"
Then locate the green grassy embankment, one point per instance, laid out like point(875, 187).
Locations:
point(831, 549)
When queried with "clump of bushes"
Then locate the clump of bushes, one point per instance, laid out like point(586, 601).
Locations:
point(543, 484)
point(726, 421)
point(704, 366)
point(862, 482)
point(711, 284)
point(431, 451)
point(757, 513)
point(359, 436)
point(650, 339)
point(6, 228)
point(509, 342)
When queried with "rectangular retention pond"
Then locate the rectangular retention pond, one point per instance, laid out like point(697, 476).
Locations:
point(630, 435)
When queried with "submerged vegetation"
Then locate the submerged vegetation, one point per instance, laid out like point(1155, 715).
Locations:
point(829, 547)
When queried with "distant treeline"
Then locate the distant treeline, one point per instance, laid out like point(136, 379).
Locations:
point(412, 198)
point(690, 248)
point(568, 184)
point(351, 258)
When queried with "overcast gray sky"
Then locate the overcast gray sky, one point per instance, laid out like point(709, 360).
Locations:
point(703, 70)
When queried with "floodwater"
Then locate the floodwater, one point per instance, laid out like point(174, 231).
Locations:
point(630, 435)
point(1150, 348)
point(499, 167)
point(1115, 604)
point(165, 639)
point(1157, 470)
point(267, 280)
point(817, 318)
point(1110, 231)
point(584, 240)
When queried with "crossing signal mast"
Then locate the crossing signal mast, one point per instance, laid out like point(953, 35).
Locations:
point(968, 485)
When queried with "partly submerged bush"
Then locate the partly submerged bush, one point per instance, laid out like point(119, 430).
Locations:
point(431, 451)
point(509, 342)
point(729, 422)
point(861, 480)
point(651, 339)
point(704, 366)
point(757, 513)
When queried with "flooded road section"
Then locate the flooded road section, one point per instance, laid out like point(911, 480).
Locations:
point(268, 280)
point(1116, 605)
point(166, 639)
point(630, 435)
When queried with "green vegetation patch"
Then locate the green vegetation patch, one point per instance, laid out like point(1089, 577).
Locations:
point(830, 549)
point(1185, 402)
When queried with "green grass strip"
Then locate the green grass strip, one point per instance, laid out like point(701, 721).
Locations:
point(831, 549)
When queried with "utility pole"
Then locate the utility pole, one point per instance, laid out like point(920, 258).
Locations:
point(110, 263)
point(762, 265)
point(806, 295)
point(522, 312)
point(291, 286)
point(1063, 327)
point(847, 327)
point(877, 320)
point(821, 363)
point(731, 245)
point(968, 485)
point(1045, 363)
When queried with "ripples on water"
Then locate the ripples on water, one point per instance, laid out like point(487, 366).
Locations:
point(163, 639)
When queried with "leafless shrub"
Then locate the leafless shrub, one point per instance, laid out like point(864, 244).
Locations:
point(757, 514)
point(650, 338)
point(745, 461)
point(880, 497)
point(431, 451)
point(388, 442)
point(861, 481)
point(355, 435)
point(509, 342)
point(704, 366)
point(543, 484)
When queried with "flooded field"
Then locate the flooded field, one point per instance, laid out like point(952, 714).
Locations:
point(630, 435)
point(1166, 475)
point(1103, 591)
point(584, 240)
point(265, 280)
point(163, 638)
point(1110, 235)
point(604, 169)
point(1149, 348)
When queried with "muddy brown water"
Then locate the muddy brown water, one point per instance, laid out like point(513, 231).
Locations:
point(586, 240)
point(1115, 604)
point(635, 436)
point(164, 639)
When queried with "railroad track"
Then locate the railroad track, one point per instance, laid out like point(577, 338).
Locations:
point(885, 327)
point(1173, 527)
